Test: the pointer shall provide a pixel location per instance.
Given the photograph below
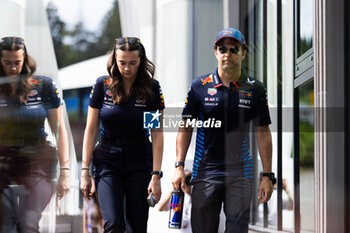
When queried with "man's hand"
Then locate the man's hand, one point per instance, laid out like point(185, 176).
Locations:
point(265, 190)
point(179, 178)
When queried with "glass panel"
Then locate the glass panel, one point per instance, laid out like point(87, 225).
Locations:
point(77, 102)
point(204, 32)
point(307, 184)
point(287, 114)
point(305, 26)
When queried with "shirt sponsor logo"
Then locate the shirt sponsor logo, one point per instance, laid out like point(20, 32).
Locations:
point(211, 99)
point(33, 93)
point(244, 103)
point(161, 97)
point(250, 81)
point(244, 106)
point(3, 103)
point(212, 91)
point(139, 103)
point(33, 99)
point(108, 99)
point(35, 81)
point(211, 104)
point(108, 92)
point(208, 79)
point(245, 99)
point(246, 93)
point(106, 81)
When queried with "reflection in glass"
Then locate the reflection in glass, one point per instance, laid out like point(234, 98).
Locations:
point(77, 104)
point(305, 26)
point(307, 184)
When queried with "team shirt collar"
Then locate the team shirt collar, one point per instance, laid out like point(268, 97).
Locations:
point(218, 83)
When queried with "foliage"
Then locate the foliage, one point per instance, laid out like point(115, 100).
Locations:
point(306, 141)
point(78, 44)
point(304, 45)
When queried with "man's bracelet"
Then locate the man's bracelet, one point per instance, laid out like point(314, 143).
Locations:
point(85, 168)
point(64, 168)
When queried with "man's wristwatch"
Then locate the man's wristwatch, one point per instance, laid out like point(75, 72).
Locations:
point(271, 176)
point(179, 163)
point(159, 173)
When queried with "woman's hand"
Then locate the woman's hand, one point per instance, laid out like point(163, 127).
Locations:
point(155, 188)
point(63, 183)
point(87, 185)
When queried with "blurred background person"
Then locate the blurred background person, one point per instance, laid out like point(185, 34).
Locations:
point(164, 204)
point(27, 159)
point(92, 216)
point(287, 204)
point(126, 164)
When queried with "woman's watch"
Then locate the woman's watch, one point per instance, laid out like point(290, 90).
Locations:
point(159, 173)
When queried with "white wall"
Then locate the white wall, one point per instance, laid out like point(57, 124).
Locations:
point(12, 15)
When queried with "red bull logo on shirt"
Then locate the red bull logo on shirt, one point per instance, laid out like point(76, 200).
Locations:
point(106, 81)
point(36, 81)
point(208, 79)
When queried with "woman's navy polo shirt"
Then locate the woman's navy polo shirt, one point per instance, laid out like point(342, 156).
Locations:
point(22, 124)
point(224, 151)
point(123, 120)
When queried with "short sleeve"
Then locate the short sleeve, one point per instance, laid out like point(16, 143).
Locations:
point(50, 95)
point(97, 93)
point(158, 101)
point(191, 109)
point(262, 116)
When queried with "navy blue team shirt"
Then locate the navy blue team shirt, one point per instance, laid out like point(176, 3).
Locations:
point(22, 124)
point(224, 151)
point(123, 120)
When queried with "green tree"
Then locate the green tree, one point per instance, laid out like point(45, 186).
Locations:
point(78, 44)
point(58, 33)
point(111, 30)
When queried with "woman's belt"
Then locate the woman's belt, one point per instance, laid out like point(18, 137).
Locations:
point(117, 141)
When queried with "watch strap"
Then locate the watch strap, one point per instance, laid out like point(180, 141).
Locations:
point(179, 163)
point(271, 176)
point(159, 173)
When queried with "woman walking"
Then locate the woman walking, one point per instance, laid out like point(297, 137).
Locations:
point(127, 166)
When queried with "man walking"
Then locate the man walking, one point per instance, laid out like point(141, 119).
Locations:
point(223, 166)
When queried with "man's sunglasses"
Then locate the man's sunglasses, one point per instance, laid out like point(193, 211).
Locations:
point(233, 49)
point(10, 40)
point(129, 40)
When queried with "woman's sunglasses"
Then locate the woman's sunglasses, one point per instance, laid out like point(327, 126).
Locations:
point(233, 49)
point(129, 40)
point(10, 40)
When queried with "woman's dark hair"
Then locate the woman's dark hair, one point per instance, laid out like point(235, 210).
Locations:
point(142, 86)
point(29, 67)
